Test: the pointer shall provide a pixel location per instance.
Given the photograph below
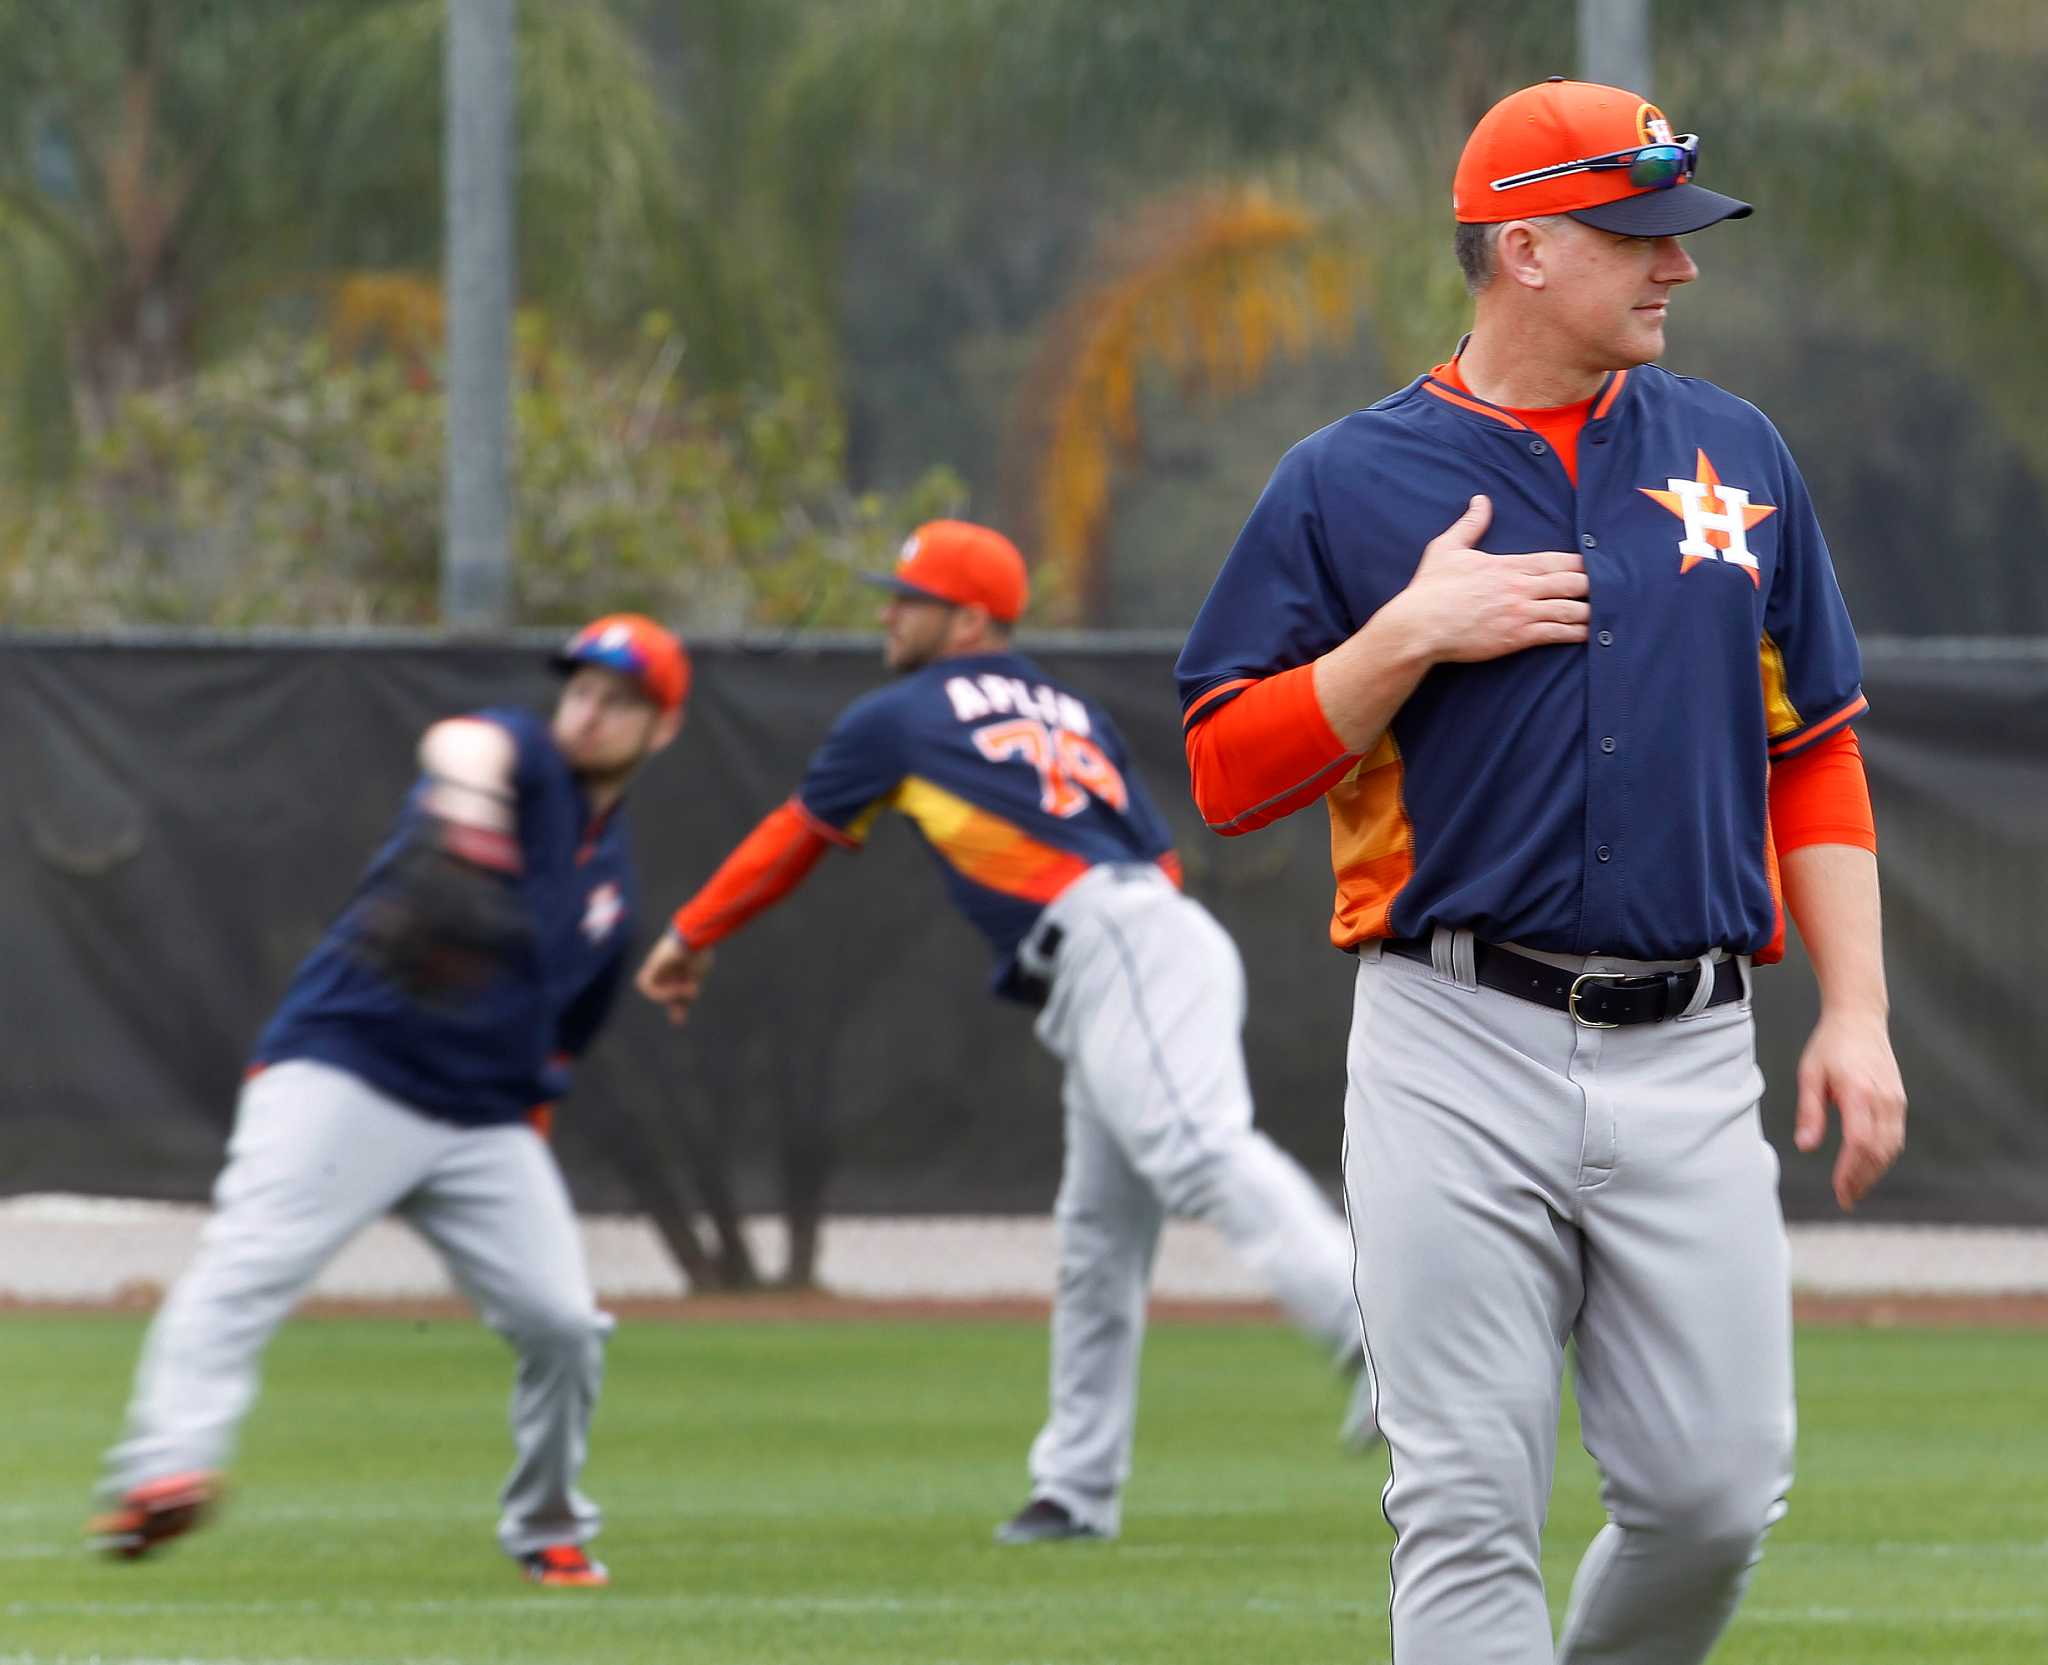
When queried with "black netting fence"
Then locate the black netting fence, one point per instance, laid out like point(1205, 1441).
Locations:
point(180, 819)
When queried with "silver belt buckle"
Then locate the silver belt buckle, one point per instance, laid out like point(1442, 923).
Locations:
point(1572, 1000)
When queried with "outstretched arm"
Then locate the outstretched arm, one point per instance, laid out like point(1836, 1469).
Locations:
point(769, 863)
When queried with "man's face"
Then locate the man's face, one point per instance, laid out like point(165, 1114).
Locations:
point(1609, 294)
point(918, 632)
point(605, 726)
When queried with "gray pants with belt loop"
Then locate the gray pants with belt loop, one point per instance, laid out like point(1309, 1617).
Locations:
point(316, 1155)
point(1146, 1012)
point(1516, 1181)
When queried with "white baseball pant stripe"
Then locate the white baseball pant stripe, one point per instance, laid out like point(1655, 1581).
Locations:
point(1517, 1181)
point(1146, 1013)
point(316, 1155)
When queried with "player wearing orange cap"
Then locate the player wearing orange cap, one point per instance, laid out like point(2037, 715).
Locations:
point(1021, 788)
point(1555, 636)
point(410, 1068)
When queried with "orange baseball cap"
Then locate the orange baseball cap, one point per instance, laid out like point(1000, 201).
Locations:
point(637, 648)
point(1571, 147)
point(959, 562)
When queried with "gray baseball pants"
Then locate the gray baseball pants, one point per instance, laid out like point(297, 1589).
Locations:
point(1517, 1181)
point(1146, 1013)
point(316, 1155)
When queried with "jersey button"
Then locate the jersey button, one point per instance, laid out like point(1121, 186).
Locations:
point(1588, 540)
point(1607, 638)
point(1607, 742)
point(1537, 448)
point(1604, 854)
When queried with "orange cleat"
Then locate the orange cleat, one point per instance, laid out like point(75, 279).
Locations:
point(564, 1566)
point(153, 1513)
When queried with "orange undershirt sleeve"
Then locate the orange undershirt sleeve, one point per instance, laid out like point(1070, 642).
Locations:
point(769, 863)
point(1822, 796)
point(1263, 754)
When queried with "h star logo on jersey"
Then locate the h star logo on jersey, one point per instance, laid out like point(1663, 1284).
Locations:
point(602, 912)
point(1717, 519)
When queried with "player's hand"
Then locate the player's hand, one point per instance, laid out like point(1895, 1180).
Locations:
point(1848, 1062)
point(1464, 605)
point(672, 976)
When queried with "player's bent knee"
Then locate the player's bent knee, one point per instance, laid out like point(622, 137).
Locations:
point(1087, 1235)
point(1196, 1184)
point(1720, 1516)
point(1100, 1280)
point(1463, 1474)
point(1482, 1524)
point(554, 1331)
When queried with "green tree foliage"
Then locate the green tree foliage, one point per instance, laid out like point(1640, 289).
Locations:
point(208, 207)
point(1888, 145)
point(889, 203)
point(766, 152)
point(1892, 151)
point(288, 487)
point(1159, 88)
point(173, 169)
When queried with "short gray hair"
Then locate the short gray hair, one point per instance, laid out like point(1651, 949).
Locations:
point(1478, 249)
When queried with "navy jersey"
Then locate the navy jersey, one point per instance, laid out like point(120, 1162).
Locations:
point(506, 1047)
point(1016, 785)
point(1608, 797)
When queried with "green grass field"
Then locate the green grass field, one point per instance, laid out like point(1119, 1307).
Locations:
point(825, 1492)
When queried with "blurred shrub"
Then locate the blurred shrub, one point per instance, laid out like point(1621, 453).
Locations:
point(294, 484)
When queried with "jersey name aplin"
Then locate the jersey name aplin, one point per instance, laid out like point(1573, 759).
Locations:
point(1016, 785)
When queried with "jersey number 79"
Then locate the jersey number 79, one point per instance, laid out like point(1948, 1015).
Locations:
point(1070, 766)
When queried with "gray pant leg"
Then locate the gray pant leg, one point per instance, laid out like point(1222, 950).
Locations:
point(1460, 1148)
point(499, 1213)
point(1282, 1226)
point(314, 1157)
point(1684, 1353)
point(1165, 1060)
point(1147, 1014)
point(1107, 1221)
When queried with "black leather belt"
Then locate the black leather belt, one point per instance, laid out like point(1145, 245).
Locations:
point(1031, 987)
point(1597, 999)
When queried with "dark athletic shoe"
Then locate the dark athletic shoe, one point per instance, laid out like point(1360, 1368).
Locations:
point(153, 1513)
point(1042, 1521)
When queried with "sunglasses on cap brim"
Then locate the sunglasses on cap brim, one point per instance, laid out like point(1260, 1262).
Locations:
point(1650, 167)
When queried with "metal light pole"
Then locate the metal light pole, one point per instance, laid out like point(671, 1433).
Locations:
point(1614, 44)
point(482, 72)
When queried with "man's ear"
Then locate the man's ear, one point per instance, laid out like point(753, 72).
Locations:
point(1519, 252)
point(971, 624)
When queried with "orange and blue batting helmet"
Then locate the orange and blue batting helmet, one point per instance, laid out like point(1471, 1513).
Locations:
point(638, 649)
